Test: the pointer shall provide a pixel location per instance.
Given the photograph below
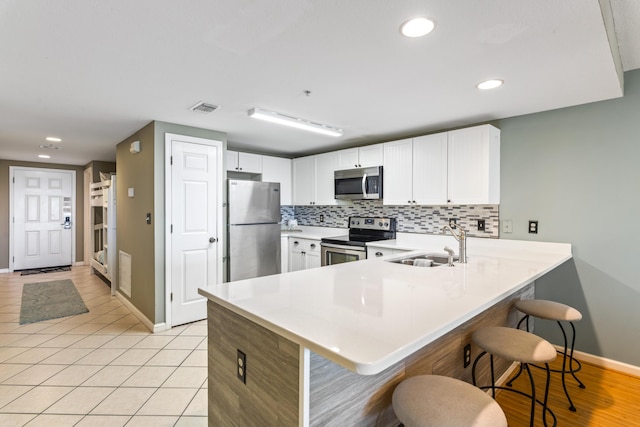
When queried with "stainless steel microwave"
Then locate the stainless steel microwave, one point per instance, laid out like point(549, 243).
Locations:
point(358, 184)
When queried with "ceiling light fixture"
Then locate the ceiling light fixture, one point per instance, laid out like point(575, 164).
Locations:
point(273, 117)
point(44, 156)
point(417, 27)
point(489, 84)
point(53, 139)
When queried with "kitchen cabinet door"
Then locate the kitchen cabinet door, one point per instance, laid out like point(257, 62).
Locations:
point(474, 165)
point(304, 176)
point(326, 165)
point(278, 169)
point(243, 162)
point(361, 157)
point(371, 155)
point(348, 159)
point(397, 174)
point(430, 169)
point(303, 254)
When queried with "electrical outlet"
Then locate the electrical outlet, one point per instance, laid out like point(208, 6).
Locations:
point(321, 218)
point(466, 355)
point(533, 227)
point(242, 367)
point(481, 225)
point(453, 222)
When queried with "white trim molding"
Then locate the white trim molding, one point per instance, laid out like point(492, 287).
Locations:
point(603, 362)
point(154, 328)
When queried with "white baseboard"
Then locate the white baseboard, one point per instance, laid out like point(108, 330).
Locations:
point(155, 328)
point(5, 270)
point(603, 362)
point(78, 263)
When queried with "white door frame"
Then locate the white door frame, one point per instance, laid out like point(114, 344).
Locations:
point(12, 170)
point(168, 137)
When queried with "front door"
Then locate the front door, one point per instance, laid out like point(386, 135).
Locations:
point(195, 224)
point(43, 224)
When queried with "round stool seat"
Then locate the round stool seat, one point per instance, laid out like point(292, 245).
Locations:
point(550, 310)
point(514, 344)
point(434, 400)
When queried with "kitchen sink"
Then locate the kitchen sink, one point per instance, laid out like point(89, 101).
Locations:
point(424, 260)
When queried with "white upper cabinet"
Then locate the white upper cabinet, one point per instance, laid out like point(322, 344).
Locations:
point(243, 162)
point(278, 169)
point(304, 180)
point(313, 179)
point(459, 167)
point(326, 165)
point(474, 165)
point(361, 157)
point(397, 173)
point(429, 169)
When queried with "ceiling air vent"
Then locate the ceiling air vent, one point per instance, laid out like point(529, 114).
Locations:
point(203, 107)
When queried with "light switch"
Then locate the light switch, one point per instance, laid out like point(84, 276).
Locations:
point(130, 191)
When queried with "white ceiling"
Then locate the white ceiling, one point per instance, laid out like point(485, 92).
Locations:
point(93, 71)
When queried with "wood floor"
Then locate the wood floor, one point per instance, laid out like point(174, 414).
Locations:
point(610, 399)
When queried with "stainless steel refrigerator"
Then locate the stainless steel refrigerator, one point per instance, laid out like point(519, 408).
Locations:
point(254, 229)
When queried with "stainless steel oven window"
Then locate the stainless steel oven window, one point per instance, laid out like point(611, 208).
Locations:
point(335, 254)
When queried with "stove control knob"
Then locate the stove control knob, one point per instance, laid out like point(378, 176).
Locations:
point(386, 224)
point(380, 224)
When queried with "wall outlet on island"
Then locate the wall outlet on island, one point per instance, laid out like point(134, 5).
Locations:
point(466, 356)
point(241, 369)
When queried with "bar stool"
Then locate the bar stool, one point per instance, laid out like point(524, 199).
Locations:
point(519, 346)
point(551, 310)
point(437, 401)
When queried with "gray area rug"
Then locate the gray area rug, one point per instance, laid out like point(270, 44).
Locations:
point(50, 300)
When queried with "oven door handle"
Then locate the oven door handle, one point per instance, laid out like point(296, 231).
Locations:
point(364, 185)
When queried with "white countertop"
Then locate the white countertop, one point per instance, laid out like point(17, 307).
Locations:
point(369, 315)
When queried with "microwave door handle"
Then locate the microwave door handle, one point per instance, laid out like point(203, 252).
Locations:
point(364, 185)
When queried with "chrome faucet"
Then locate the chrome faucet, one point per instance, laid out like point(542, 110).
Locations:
point(461, 237)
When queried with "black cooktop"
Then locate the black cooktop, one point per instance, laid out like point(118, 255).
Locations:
point(365, 229)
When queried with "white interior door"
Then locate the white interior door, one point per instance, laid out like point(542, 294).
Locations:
point(42, 217)
point(195, 225)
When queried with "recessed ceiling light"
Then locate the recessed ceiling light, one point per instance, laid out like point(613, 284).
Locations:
point(489, 84)
point(44, 156)
point(417, 27)
point(53, 139)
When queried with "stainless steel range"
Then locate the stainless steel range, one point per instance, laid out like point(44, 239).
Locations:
point(352, 247)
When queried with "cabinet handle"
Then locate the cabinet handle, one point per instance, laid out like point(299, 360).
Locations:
point(355, 166)
point(408, 201)
point(313, 245)
point(379, 254)
point(414, 201)
point(296, 243)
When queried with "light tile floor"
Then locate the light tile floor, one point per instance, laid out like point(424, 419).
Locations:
point(102, 368)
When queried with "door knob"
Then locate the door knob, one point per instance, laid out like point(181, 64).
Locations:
point(212, 240)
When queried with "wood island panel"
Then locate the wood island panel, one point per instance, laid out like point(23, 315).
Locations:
point(271, 395)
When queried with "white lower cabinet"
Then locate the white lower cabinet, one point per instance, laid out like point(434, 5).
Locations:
point(303, 253)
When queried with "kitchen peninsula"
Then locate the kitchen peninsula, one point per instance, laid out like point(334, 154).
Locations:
point(327, 345)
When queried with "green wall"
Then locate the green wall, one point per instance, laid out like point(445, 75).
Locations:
point(4, 206)
point(145, 172)
point(576, 171)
